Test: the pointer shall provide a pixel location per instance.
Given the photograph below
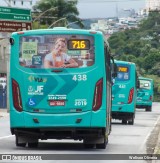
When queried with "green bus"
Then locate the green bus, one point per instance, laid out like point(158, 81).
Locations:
point(124, 92)
point(59, 81)
point(145, 94)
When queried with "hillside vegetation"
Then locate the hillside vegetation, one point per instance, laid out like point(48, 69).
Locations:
point(141, 46)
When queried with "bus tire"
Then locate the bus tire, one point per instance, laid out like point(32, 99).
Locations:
point(110, 128)
point(19, 144)
point(124, 121)
point(131, 121)
point(104, 144)
point(149, 109)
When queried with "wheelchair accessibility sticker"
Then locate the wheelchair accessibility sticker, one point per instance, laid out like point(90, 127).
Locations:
point(31, 102)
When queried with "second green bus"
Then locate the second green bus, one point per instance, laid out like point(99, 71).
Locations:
point(124, 91)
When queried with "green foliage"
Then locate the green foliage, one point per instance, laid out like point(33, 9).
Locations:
point(36, 25)
point(54, 10)
point(156, 86)
point(152, 20)
point(151, 59)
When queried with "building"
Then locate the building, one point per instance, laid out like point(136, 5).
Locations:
point(18, 3)
point(124, 13)
point(102, 24)
point(5, 32)
point(152, 5)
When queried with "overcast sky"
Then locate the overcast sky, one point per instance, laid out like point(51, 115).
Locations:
point(93, 8)
point(102, 8)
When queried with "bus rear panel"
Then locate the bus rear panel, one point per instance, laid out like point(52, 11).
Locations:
point(145, 94)
point(58, 102)
point(124, 92)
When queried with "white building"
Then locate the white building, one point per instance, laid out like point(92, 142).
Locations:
point(152, 5)
point(18, 3)
point(100, 25)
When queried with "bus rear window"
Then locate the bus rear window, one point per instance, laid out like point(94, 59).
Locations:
point(145, 84)
point(54, 51)
point(123, 73)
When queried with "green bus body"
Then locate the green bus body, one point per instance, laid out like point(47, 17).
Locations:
point(145, 94)
point(124, 92)
point(60, 103)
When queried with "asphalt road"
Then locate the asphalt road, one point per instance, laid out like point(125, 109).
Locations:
point(124, 139)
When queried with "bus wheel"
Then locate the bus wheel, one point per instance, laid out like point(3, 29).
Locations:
point(33, 145)
point(103, 145)
point(131, 121)
point(124, 121)
point(149, 108)
point(19, 144)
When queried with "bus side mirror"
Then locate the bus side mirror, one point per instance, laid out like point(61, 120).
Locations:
point(11, 40)
point(114, 70)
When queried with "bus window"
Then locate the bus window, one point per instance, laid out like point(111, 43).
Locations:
point(123, 73)
point(55, 51)
point(145, 84)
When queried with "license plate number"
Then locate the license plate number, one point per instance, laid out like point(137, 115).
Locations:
point(57, 103)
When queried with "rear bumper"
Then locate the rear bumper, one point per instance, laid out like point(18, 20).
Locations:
point(59, 133)
point(125, 108)
point(72, 120)
point(122, 115)
point(143, 104)
point(124, 111)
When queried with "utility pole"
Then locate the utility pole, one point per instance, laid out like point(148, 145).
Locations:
point(117, 11)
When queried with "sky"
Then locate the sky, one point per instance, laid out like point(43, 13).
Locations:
point(106, 8)
point(94, 8)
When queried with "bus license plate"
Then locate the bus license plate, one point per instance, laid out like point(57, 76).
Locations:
point(57, 103)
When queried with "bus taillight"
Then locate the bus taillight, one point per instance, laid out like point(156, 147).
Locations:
point(130, 98)
point(97, 101)
point(17, 102)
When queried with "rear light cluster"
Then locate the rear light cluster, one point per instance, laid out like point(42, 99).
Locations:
point(97, 100)
point(17, 101)
point(130, 97)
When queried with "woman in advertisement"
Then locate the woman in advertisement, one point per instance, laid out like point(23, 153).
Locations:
point(58, 56)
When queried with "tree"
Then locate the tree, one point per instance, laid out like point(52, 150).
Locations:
point(65, 11)
point(152, 20)
point(151, 59)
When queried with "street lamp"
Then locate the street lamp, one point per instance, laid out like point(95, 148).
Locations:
point(65, 18)
point(72, 23)
point(56, 22)
point(53, 8)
